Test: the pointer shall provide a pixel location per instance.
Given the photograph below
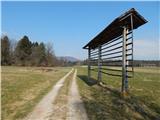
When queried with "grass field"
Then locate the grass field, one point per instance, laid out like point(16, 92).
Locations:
point(143, 102)
point(23, 88)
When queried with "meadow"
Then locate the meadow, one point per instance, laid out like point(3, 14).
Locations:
point(106, 102)
point(23, 87)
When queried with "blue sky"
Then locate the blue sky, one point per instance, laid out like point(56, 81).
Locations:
point(70, 25)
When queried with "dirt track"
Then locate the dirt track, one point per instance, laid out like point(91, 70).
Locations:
point(75, 104)
point(75, 107)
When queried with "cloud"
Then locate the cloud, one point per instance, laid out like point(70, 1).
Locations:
point(147, 49)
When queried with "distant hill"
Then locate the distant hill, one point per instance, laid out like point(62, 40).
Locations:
point(68, 58)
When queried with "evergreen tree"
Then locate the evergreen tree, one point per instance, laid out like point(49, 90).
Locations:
point(38, 56)
point(42, 56)
point(5, 51)
point(35, 54)
point(23, 51)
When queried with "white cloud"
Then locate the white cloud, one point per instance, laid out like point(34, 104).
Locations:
point(146, 49)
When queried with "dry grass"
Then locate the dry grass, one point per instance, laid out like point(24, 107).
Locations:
point(143, 102)
point(23, 87)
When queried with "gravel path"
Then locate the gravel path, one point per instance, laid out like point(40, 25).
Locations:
point(45, 107)
point(75, 104)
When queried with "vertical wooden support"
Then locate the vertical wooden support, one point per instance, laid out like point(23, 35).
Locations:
point(124, 64)
point(127, 63)
point(89, 65)
point(99, 64)
point(132, 45)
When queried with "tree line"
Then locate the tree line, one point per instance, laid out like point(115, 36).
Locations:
point(27, 53)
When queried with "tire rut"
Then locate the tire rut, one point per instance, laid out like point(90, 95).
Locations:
point(60, 108)
point(75, 104)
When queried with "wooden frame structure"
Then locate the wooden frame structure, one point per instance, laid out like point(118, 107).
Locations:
point(114, 47)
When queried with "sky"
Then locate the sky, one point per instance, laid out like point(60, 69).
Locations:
point(71, 25)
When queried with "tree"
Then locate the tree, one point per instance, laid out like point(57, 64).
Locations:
point(42, 56)
point(23, 51)
point(13, 44)
point(50, 56)
point(5, 50)
point(38, 55)
point(35, 54)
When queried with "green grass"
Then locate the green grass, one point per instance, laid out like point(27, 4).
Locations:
point(23, 88)
point(143, 102)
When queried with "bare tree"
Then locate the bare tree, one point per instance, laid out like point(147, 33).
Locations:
point(50, 55)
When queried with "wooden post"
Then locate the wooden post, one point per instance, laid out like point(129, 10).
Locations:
point(124, 63)
point(99, 64)
point(89, 66)
point(127, 63)
point(132, 44)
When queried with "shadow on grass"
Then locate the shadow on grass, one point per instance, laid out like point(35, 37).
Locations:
point(89, 82)
point(107, 103)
